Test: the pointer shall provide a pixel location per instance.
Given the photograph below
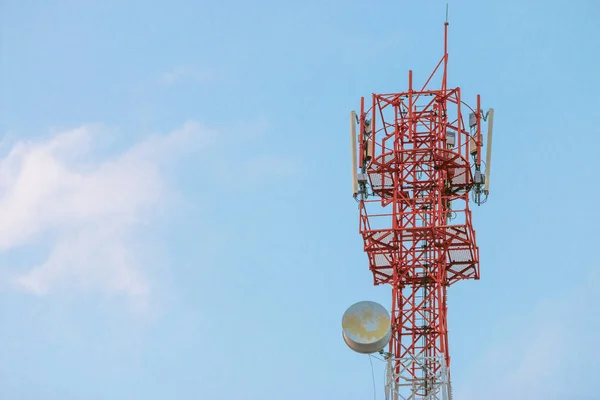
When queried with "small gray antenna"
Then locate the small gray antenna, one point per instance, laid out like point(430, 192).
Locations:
point(446, 12)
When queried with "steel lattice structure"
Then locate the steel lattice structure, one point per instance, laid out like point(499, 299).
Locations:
point(418, 164)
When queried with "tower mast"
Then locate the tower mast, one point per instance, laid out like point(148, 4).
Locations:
point(418, 162)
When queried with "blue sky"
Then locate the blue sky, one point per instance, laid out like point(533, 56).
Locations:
point(176, 207)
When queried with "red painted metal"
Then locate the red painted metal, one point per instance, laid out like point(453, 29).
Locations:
point(415, 222)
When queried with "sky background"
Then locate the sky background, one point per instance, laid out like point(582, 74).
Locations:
point(176, 220)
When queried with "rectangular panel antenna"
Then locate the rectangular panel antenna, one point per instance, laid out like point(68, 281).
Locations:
point(488, 152)
point(353, 153)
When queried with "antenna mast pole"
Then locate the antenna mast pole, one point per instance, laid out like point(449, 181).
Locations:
point(444, 78)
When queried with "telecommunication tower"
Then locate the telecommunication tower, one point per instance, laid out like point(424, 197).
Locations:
point(417, 163)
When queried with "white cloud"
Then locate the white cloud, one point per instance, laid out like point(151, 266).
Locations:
point(89, 210)
point(547, 358)
point(188, 74)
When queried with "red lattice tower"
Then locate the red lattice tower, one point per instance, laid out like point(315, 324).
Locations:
point(418, 162)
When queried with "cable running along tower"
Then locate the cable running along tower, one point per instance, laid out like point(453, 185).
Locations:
point(417, 163)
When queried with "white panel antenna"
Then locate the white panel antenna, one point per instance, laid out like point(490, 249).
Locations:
point(353, 142)
point(488, 152)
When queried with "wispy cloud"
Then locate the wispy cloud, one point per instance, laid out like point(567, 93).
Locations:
point(270, 165)
point(251, 155)
point(88, 210)
point(188, 74)
point(548, 357)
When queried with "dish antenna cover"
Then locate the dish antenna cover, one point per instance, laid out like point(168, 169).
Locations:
point(366, 327)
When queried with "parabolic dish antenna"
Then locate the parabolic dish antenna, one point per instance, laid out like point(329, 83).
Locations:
point(366, 327)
